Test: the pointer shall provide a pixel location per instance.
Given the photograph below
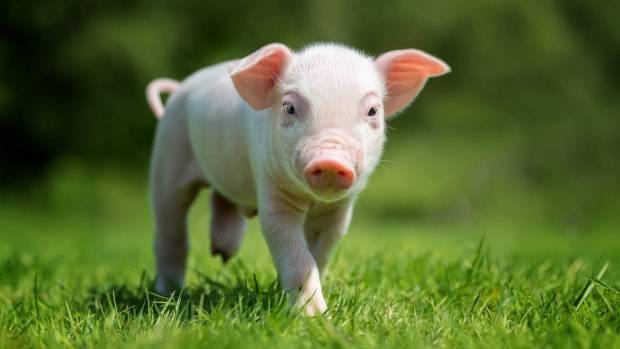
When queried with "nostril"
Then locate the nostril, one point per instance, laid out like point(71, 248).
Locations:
point(329, 174)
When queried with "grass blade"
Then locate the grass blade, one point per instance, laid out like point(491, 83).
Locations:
point(588, 288)
point(36, 298)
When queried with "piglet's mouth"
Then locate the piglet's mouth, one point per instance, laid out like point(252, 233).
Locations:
point(330, 171)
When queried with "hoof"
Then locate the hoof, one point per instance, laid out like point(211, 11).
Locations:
point(216, 251)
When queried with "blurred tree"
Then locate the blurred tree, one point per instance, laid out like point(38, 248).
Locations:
point(72, 73)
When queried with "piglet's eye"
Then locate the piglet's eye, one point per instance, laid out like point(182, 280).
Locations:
point(289, 109)
point(372, 111)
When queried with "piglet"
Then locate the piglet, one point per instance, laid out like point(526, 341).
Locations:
point(290, 136)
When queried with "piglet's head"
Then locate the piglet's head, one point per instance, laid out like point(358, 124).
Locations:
point(327, 106)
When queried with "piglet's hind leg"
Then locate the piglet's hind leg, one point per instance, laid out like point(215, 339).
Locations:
point(227, 227)
point(171, 243)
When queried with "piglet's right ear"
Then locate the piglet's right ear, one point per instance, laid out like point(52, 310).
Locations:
point(254, 76)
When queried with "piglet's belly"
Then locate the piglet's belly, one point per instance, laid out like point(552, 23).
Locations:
point(232, 179)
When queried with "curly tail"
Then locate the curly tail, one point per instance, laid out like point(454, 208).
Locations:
point(156, 88)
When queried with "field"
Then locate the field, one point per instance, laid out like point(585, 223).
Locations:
point(414, 270)
point(493, 220)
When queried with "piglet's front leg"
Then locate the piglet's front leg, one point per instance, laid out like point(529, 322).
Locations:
point(282, 224)
point(324, 226)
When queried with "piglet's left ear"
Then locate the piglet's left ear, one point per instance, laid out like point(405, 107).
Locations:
point(405, 73)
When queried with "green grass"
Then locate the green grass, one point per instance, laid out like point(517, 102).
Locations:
point(76, 266)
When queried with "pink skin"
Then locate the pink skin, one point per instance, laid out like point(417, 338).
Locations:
point(290, 136)
point(154, 89)
point(330, 163)
point(330, 167)
point(329, 170)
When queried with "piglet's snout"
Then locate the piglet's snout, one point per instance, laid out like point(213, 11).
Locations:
point(330, 170)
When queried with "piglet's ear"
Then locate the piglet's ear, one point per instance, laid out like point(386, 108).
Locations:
point(405, 72)
point(254, 76)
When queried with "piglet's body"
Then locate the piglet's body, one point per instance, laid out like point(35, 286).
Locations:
point(290, 136)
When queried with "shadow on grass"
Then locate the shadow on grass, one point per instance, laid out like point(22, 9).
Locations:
point(237, 297)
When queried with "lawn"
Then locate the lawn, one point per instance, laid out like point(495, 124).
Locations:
point(421, 269)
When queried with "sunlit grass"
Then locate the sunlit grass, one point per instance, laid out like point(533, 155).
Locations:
point(77, 266)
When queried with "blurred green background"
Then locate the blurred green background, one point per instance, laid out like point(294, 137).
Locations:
point(521, 139)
